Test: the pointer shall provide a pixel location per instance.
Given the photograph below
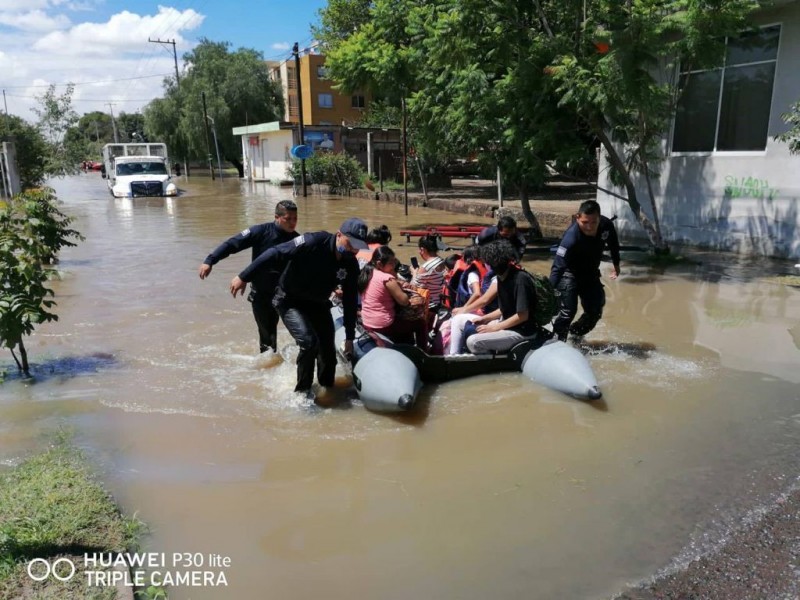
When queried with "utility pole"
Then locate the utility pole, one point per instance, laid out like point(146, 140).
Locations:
point(177, 82)
point(205, 128)
point(174, 55)
point(113, 122)
point(296, 52)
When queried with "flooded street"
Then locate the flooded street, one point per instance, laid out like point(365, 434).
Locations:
point(492, 488)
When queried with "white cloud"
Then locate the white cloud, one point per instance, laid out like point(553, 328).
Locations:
point(110, 61)
point(34, 20)
point(14, 6)
point(123, 32)
point(281, 46)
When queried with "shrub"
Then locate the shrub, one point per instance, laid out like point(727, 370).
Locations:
point(340, 172)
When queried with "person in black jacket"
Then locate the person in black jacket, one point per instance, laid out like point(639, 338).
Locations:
point(314, 266)
point(506, 229)
point(576, 270)
point(260, 238)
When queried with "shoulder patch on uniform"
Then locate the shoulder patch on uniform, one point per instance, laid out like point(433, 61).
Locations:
point(299, 240)
point(605, 235)
point(561, 251)
point(245, 233)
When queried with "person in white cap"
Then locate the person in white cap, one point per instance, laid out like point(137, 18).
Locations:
point(314, 265)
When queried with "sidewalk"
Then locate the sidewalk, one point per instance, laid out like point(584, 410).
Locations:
point(553, 206)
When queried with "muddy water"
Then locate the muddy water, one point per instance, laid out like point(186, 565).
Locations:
point(493, 487)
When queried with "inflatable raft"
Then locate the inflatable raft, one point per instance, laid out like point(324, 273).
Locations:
point(388, 378)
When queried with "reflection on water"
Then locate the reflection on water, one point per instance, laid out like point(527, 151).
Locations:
point(492, 487)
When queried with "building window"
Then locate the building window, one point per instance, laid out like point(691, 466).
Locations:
point(322, 72)
point(291, 79)
point(727, 109)
point(358, 102)
point(326, 100)
point(293, 107)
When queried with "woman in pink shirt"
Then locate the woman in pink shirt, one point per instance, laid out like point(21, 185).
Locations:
point(381, 293)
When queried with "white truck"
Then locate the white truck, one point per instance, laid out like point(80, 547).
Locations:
point(140, 169)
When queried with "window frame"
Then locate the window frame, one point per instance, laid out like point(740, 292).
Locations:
point(731, 153)
point(319, 100)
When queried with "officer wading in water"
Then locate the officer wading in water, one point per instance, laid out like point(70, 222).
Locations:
point(316, 264)
point(260, 238)
point(576, 270)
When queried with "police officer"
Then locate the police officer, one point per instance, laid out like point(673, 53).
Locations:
point(506, 229)
point(316, 264)
point(260, 238)
point(576, 270)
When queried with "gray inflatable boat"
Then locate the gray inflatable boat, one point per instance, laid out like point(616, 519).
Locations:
point(388, 376)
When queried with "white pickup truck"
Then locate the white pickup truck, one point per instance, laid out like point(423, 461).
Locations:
point(140, 169)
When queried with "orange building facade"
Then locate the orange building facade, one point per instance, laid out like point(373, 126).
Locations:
point(322, 105)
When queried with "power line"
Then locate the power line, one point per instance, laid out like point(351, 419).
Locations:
point(47, 85)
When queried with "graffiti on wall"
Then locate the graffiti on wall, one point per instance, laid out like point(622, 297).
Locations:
point(749, 187)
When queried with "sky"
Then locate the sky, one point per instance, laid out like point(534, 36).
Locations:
point(102, 45)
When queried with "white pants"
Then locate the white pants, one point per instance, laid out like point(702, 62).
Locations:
point(457, 324)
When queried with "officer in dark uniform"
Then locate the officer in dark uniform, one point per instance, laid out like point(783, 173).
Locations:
point(576, 270)
point(260, 238)
point(316, 265)
point(506, 229)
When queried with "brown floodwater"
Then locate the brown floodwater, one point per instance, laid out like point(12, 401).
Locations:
point(492, 488)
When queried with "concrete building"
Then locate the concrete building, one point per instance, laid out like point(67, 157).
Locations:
point(322, 105)
point(725, 183)
point(330, 124)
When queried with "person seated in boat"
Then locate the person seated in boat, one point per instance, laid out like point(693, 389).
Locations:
point(468, 288)
point(500, 329)
point(430, 274)
point(475, 307)
point(377, 236)
point(381, 296)
point(506, 229)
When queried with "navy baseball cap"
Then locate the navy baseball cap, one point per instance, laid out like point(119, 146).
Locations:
point(356, 231)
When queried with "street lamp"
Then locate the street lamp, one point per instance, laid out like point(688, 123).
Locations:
point(216, 145)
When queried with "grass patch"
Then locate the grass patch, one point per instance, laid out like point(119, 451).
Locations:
point(790, 280)
point(52, 506)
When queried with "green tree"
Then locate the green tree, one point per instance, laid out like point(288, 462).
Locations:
point(56, 117)
point(471, 74)
point(129, 124)
point(91, 132)
point(238, 91)
point(339, 20)
point(31, 149)
point(792, 136)
point(32, 231)
point(616, 65)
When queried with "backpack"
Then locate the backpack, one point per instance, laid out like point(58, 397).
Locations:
point(546, 299)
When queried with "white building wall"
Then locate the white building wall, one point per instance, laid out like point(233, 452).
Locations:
point(746, 202)
point(268, 159)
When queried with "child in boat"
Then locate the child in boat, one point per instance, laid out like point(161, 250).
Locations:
point(479, 303)
point(377, 236)
point(430, 274)
point(382, 294)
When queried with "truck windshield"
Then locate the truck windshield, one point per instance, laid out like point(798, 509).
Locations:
point(141, 168)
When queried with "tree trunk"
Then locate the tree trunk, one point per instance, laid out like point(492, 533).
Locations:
point(23, 354)
point(616, 161)
point(535, 232)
